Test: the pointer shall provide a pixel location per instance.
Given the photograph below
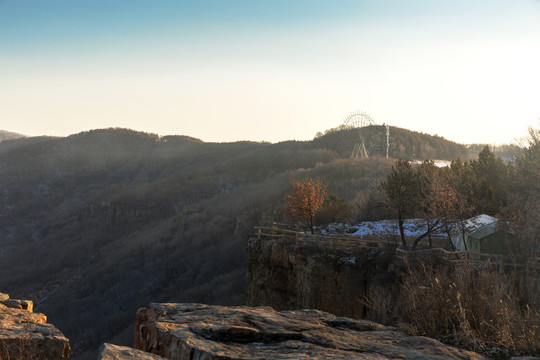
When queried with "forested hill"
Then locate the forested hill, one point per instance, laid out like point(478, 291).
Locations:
point(403, 144)
point(6, 135)
point(97, 224)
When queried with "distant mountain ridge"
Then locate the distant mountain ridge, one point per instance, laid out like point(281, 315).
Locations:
point(7, 135)
point(403, 143)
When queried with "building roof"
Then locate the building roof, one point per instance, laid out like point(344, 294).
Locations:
point(484, 231)
point(479, 221)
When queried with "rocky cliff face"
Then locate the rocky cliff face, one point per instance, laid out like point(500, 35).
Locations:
point(197, 331)
point(308, 274)
point(26, 335)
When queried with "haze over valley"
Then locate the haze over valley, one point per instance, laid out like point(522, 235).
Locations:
point(143, 142)
point(100, 223)
point(111, 220)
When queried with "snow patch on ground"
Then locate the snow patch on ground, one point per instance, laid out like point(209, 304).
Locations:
point(412, 228)
point(350, 260)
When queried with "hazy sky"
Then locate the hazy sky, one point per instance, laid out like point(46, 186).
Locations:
point(226, 70)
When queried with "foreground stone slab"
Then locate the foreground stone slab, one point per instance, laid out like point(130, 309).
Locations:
point(115, 352)
point(198, 331)
point(26, 335)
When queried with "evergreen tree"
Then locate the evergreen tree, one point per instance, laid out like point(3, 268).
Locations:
point(437, 198)
point(491, 175)
point(401, 191)
point(522, 212)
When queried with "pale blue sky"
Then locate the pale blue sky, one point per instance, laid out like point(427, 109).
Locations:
point(270, 70)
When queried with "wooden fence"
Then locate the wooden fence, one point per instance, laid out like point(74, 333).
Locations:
point(492, 262)
point(299, 237)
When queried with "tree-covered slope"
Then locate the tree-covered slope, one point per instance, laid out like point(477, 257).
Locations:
point(404, 144)
point(97, 224)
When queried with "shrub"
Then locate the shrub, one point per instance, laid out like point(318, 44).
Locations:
point(334, 209)
point(469, 307)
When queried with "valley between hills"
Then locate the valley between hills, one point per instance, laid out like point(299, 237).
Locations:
point(98, 224)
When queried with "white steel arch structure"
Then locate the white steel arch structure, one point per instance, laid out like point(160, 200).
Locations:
point(358, 120)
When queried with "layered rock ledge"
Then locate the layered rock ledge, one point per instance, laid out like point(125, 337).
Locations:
point(16, 304)
point(115, 352)
point(26, 335)
point(198, 331)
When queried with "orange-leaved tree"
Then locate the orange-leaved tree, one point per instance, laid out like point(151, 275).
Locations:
point(304, 199)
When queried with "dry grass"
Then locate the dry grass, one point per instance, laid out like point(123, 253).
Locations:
point(471, 308)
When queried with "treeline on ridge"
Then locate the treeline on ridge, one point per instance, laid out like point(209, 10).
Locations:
point(403, 144)
point(100, 223)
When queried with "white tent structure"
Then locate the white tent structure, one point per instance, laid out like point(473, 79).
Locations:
point(474, 228)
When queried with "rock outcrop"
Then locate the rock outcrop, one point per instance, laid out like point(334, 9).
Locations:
point(16, 304)
point(26, 335)
point(197, 331)
point(115, 352)
point(19, 304)
point(308, 274)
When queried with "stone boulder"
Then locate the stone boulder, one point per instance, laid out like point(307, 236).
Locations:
point(26, 335)
point(198, 331)
point(19, 304)
point(115, 352)
point(16, 304)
